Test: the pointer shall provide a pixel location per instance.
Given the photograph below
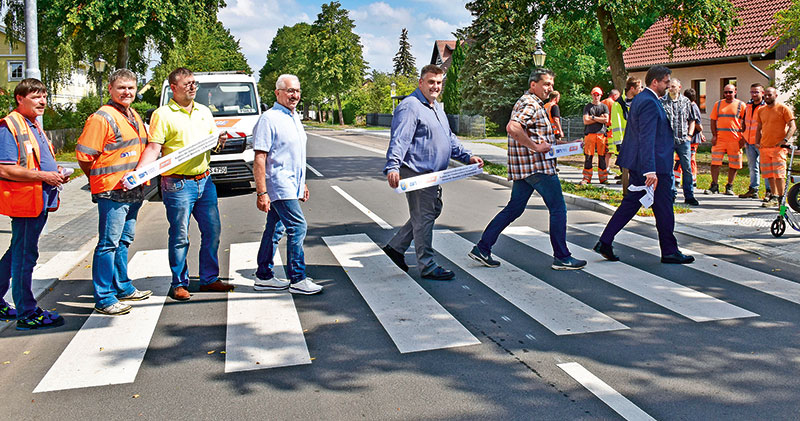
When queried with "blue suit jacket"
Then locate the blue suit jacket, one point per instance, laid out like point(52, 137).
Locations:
point(648, 144)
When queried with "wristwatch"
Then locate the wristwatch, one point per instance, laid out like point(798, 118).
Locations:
point(260, 194)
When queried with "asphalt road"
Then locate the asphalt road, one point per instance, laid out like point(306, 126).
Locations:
point(715, 350)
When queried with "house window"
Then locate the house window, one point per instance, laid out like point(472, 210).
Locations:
point(699, 87)
point(16, 70)
point(724, 82)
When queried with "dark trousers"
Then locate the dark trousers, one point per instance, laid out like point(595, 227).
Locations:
point(662, 209)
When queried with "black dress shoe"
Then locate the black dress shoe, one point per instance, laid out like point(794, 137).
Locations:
point(692, 202)
point(606, 251)
point(439, 274)
point(678, 258)
point(398, 258)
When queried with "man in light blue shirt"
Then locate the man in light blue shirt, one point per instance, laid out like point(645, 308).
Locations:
point(279, 169)
point(422, 142)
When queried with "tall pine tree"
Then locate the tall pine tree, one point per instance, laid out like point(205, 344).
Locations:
point(404, 62)
point(452, 87)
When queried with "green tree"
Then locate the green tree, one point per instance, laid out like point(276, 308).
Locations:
point(404, 62)
point(72, 32)
point(209, 47)
point(336, 53)
point(288, 53)
point(787, 29)
point(452, 88)
point(502, 31)
point(375, 96)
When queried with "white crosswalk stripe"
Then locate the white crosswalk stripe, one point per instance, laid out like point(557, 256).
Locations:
point(685, 301)
point(45, 275)
point(411, 317)
point(109, 349)
point(264, 329)
point(554, 309)
point(625, 408)
point(751, 278)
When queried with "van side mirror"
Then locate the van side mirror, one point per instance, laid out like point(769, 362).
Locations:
point(148, 114)
point(264, 107)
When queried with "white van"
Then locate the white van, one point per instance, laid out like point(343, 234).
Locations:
point(234, 102)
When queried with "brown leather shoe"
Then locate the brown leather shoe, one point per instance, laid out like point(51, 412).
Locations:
point(179, 293)
point(216, 286)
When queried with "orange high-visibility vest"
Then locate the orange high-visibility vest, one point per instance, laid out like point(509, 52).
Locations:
point(113, 145)
point(729, 119)
point(547, 108)
point(609, 103)
point(751, 122)
point(23, 198)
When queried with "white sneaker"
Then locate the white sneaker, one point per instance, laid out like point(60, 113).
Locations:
point(305, 287)
point(137, 295)
point(116, 309)
point(271, 284)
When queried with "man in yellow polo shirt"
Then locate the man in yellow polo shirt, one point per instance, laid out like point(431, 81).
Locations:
point(187, 190)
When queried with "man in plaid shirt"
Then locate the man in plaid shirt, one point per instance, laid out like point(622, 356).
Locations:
point(529, 138)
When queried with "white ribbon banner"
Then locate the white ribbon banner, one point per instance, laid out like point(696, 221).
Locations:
point(166, 163)
point(564, 149)
point(438, 177)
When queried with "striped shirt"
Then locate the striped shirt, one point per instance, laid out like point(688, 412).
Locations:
point(522, 162)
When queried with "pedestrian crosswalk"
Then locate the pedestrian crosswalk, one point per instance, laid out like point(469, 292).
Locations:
point(46, 274)
point(264, 329)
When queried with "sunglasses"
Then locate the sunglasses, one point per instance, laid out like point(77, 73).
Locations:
point(727, 92)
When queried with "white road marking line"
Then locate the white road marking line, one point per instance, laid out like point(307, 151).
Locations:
point(411, 317)
point(620, 404)
point(751, 278)
point(554, 309)
point(264, 329)
point(314, 170)
point(363, 208)
point(110, 349)
point(506, 318)
point(685, 301)
point(355, 145)
point(45, 275)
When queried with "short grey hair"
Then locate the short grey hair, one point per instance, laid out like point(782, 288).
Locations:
point(122, 74)
point(536, 74)
point(281, 82)
point(676, 80)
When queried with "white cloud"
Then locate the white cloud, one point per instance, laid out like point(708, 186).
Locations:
point(255, 22)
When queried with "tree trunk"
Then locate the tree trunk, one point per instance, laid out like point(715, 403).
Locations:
point(613, 48)
point(122, 53)
point(339, 105)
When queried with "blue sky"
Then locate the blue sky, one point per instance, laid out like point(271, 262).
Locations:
point(378, 23)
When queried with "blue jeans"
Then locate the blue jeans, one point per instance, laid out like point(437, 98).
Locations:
point(283, 214)
point(184, 199)
point(549, 188)
point(684, 151)
point(116, 228)
point(16, 266)
point(753, 165)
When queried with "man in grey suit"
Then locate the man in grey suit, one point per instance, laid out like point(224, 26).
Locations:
point(648, 156)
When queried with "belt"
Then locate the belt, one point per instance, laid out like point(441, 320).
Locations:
point(189, 177)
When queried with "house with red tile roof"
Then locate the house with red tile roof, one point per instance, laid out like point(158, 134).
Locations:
point(442, 52)
point(743, 61)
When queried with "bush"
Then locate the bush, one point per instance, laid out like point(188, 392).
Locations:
point(141, 107)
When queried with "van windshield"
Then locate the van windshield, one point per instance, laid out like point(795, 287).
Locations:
point(225, 98)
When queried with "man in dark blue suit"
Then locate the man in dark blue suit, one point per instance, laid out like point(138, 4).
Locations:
point(648, 157)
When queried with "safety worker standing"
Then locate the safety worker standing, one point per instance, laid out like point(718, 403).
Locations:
point(29, 181)
point(727, 116)
point(110, 146)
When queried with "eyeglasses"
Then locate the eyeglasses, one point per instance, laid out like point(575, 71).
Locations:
point(190, 85)
point(727, 92)
point(291, 91)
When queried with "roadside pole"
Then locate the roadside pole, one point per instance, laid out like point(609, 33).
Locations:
point(31, 41)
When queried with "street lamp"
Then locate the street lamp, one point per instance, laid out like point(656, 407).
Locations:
point(393, 85)
point(100, 66)
point(538, 56)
